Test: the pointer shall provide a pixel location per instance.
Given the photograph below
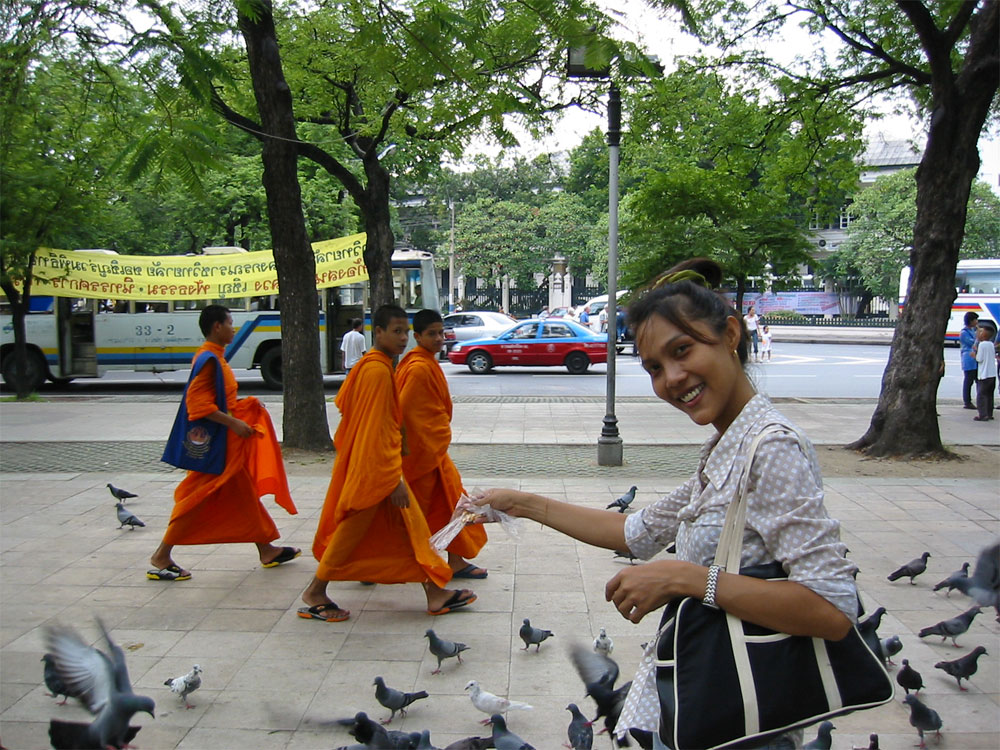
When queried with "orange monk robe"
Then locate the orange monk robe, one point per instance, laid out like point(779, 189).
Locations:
point(433, 478)
point(223, 508)
point(362, 536)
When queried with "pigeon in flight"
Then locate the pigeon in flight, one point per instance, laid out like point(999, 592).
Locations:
point(503, 738)
point(957, 580)
point(603, 644)
point(952, 628)
point(52, 681)
point(912, 569)
point(532, 636)
point(824, 739)
point(580, 732)
point(126, 516)
point(395, 700)
point(120, 494)
point(923, 718)
point(599, 674)
point(443, 649)
point(909, 678)
point(102, 682)
point(185, 684)
point(492, 704)
point(622, 503)
point(985, 586)
point(964, 667)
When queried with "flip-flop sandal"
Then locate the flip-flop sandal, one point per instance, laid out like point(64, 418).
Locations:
point(454, 602)
point(468, 572)
point(169, 573)
point(317, 613)
point(287, 554)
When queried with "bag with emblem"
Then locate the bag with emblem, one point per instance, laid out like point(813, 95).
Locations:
point(726, 683)
point(200, 444)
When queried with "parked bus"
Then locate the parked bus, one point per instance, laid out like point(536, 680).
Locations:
point(977, 283)
point(76, 337)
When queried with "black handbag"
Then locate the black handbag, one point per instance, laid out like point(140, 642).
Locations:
point(723, 682)
point(199, 444)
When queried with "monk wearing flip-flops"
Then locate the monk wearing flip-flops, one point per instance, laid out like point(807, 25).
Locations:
point(429, 471)
point(226, 508)
point(371, 528)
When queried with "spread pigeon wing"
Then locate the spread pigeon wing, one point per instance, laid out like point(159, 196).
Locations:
point(592, 666)
point(84, 669)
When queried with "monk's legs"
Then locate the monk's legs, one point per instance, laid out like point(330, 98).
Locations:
point(162, 559)
point(457, 563)
point(315, 595)
point(437, 596)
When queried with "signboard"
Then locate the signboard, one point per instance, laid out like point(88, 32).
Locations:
point(806, 303)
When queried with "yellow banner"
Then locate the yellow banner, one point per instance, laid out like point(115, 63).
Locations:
point(69, 273)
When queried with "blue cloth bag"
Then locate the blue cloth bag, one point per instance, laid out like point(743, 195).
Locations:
point(200, 444)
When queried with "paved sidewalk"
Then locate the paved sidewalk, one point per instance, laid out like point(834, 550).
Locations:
point(273, 680)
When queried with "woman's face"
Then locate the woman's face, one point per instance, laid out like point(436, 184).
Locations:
point(705, 381)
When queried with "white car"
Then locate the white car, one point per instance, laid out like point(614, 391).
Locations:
point(474, 324)
point(594, 307)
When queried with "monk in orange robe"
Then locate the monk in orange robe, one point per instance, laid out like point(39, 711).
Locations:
point(226, 507)
point(371, 528)
point(429, 471)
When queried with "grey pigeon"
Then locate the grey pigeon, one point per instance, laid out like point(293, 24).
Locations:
point(923, 718)
point(185, 684)
point(532, 636)
point(603, 643)
point(964, 667)
point(102, 682)
point(957, 580)
point(909, 678)
point(52, 681)
point(471, 743)
point(867, 630)
point(953, 627)
point(369, 733)
point(126, 516)
point(503, 738)
point(985, 586)
point(872, 743)
point(424, 741)
point(624, 501)
point(912, 569)
point(395, 700)
point(625, 555)
point(889, 647)
point(120, 494)
point(443, 649)
point(599, 674)
point(580, 732)
point(824, 740)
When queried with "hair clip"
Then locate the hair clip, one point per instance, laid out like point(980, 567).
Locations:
point(685, 275)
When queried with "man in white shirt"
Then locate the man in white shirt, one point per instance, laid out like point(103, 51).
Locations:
point(986, 359)
point(353, 345)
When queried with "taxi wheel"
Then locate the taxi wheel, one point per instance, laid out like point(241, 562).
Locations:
point(479, 362)
point(577, 363)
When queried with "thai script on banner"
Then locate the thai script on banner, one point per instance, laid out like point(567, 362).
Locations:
point(806, 303)
point(69, 273)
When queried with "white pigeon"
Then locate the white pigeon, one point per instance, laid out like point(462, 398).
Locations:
point(491, 704)
point(185, 684)
point(603, 644)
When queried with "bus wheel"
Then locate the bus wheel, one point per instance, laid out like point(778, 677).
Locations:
point(38, 371)
point(270, 368)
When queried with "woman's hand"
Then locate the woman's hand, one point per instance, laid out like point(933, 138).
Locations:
point(511, 502)
point(640, 589)
point(400, 497)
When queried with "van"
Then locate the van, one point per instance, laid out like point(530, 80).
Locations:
point(594, 307)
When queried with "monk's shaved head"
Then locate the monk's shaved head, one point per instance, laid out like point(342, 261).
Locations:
point(425, 318)
point(384, 315)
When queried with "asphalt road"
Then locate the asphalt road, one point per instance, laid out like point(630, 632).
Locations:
point(796, 371)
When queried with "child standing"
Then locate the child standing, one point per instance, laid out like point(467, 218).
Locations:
point(765, 343)
point(986, 380)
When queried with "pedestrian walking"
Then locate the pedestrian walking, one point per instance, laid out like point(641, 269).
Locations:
point(752, 323)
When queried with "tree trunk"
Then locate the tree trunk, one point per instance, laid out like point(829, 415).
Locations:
point(381, 242)
point(304, 424)
point(905, 419)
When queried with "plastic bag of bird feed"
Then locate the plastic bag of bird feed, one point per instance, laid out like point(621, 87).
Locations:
point(466, 512)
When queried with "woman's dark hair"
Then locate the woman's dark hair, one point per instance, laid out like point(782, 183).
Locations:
point(211, 315)
point(688, 300)
point(970, 318)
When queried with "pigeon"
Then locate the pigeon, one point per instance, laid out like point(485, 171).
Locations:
point(603, 644)
point(599, 674)
point(985, 586)
point(923, 718)
point(492, 704)
point(964, 667)
point(443, 649)
point(624, 501)
point(533, 636)
point(957, 580)
point(185, 684)
point(395, 700)
point(952, 628)
point(423, 740)
point(889, 648)
point(367, 732)
point(824, 740)
point(101, 680)
point(503, 738)
point(909, 678)
point(580, 732)
point(872, 743)
point(471, 743)
point(625, 555)
point(120, 494)
point(867, 630)
point(126, 516)
point(52, 681)
point(912, 569)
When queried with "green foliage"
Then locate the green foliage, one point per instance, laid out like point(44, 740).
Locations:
point(880, 237)
point(499, 238)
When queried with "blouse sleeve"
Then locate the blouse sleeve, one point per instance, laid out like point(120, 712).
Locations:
point(785, 507)
point(650, 530)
